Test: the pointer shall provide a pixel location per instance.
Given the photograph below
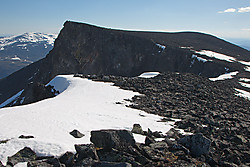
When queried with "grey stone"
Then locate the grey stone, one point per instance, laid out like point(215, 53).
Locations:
point(24, 155)
point(38, 164)
point(76, 134)
point(108, 139)
point(197, 144)
point(85, 151)
point(137, 129)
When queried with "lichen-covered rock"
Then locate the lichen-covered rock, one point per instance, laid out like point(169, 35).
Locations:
point(67, 159)
point(197, 144)
point(108, 139)
point(24, 155)
point(86, 151)
point(137, 129)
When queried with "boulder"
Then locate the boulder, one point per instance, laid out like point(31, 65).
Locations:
point(108, 139)
point(86, 151)
point(149, 140)
point(137, 129)
point(67, 159)
point(76, 134)
point(86, 162)
point(197, 144)
point(25, 137)
point(38, 164)
point(24, 155)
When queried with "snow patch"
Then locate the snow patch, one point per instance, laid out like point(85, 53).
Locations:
point(84, 105)
point(242, 93)
point(244, 79)
point(11, 99)
point(245, 63)
point(225, 76)
point(60, 83)
point(245, 84)
point(161, 46)
point(247, 68)
point(199, 58)
point(16, 58)
point(216, 55)
point(139, 138)
point(149, 74)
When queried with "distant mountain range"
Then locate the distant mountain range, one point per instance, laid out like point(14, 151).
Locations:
point(19, 51)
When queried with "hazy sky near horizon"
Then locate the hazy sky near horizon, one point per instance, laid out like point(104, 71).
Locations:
point(223, 18)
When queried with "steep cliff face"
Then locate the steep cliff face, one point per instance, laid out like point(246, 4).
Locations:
point(82, 48)
point(87, 49)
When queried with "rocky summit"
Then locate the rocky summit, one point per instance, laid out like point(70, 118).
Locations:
point(88, 49)
point(211, 120)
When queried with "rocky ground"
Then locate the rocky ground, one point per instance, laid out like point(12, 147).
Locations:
point(218, 120)
point(206, 107)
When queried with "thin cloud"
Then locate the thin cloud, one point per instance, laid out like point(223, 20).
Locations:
point(244, 10)
point(245, 29)
point(230, 10)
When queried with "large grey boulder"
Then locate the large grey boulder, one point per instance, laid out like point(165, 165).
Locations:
point(24, 155)
point(197, 144)
point(86, 151)
point(108, 139)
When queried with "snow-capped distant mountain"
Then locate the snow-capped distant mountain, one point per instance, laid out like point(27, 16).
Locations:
point(21, 50)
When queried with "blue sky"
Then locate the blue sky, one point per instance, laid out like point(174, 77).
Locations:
point(223, 18)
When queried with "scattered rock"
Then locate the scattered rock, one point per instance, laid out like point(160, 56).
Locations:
point(26, 137)
point(24, 155)
point(38, 164)
point(4, 141)
point(137, 129)
point(67, 159)
point(112, 164)
point(108, 139)
point(86, 151)
point(197, 144)
point(75, 133)
point(149, 140)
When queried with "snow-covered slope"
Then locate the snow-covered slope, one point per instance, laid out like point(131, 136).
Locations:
point(20, 50)
point(83, 104)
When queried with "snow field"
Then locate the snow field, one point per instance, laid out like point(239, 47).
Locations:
point(149, 74)
point(83, 105)
point(224, 76)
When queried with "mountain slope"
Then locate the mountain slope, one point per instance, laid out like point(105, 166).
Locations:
point(19, 51)
point(87, 49)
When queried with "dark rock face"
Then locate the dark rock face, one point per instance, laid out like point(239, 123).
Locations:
point(108, 139)
point(197, 144)
point(24, 155)
point(87, 49)
point(34, 92)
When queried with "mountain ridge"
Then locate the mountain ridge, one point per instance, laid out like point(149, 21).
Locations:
point(88, 49)
point(18, 51)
